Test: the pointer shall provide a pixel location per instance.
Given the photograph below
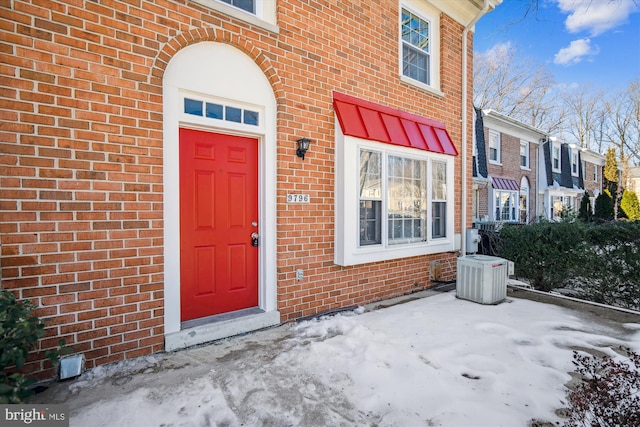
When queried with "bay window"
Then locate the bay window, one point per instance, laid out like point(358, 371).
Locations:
point(403, 205)
point(505, 205)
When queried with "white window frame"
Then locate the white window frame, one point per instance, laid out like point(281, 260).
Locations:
point(524, 145)
point(596, 173)
point(348, 250)
point(264, 17)
point(514, 197)
point(431, 15)
point(555, 149)
point(574, 163)
point(524, 192)
point(564, 200)
point(494, 143)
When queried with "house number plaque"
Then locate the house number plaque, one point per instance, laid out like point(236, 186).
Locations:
point(298, 198)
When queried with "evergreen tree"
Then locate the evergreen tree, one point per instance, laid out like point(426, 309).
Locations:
point(585, 213)
point(630, 206)
point(604, 206)
point(611, 178)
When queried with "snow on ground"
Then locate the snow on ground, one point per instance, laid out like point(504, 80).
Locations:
point(437, 361)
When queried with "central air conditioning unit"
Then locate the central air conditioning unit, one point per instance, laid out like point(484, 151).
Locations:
point(482, 279)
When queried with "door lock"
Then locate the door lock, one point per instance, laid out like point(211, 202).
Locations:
point(254, 239)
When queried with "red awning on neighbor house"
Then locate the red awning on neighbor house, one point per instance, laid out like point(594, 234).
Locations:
point(368, 120)
point(504, 184)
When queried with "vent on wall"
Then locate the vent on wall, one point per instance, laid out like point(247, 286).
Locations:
point(482, 279)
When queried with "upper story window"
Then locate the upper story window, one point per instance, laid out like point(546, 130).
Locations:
point(584, 168)
point(419, 45)
point(494, 147)
point(524, 154)
point(261, 13)
point(415, 47)
point(595, 173)
point(574, 163)
point(246, 5)
point(555, 157)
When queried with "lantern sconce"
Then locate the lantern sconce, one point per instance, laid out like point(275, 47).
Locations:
point(303, 146)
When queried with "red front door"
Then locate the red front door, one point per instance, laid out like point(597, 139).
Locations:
point(218, 214)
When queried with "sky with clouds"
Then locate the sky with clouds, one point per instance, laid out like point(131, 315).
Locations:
point(582, 42)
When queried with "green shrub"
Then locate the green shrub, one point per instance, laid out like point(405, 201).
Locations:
point(630, 206)
point(603, 209)
point(19, 333)
point(585, 213)
point(599, 261)
point(611, 274)
point(546, 252)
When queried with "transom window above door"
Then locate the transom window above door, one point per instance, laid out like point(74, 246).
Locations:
point(217, 111)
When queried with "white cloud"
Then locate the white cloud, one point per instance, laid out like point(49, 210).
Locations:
point(596, 16)
point(575, 52)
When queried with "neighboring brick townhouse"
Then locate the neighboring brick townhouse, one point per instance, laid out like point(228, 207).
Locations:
point(522, 174)
point(152, 193)
point(505, 177)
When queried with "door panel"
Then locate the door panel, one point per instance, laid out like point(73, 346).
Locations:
point(218, 204)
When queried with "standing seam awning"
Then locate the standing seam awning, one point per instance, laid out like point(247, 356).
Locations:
point(504, 184)
point(368, 120)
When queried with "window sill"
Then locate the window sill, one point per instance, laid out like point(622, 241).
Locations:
point(525, 168)
point(364, 255)
point(495, 163)
point(422, 86)
point(238, 14)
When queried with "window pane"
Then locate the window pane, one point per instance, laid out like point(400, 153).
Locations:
point(438, 220)
point(250, 117)
point(415, 30)
point(192, 106)
point(214, 111)
point(405, 200)
point(233, 114)
point(370, 179)
point(439, 181)
point(415, 64)
point(370, 222)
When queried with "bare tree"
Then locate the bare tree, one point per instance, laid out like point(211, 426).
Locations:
point(623, 125)
point(514, 87)
point(584, 108)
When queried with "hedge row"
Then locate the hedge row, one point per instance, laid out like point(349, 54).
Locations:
point(601, 262)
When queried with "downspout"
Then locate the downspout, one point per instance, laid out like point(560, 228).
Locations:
point(463, 218)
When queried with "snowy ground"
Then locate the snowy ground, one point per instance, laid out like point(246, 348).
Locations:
point(437, 361)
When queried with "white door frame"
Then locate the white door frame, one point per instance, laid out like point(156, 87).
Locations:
point(220, 73)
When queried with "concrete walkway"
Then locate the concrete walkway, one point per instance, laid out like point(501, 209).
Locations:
point(238, 371)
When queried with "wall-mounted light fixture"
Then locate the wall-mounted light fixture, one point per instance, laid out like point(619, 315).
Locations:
point(303, 146)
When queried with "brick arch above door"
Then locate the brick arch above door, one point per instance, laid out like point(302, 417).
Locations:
point(219, 35)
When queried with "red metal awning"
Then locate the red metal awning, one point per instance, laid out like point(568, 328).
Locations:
point(368, 120)
point(504, 184)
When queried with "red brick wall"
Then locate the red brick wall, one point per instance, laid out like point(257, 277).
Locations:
point(510, 167)
point(81, 155)
point(589, 183)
